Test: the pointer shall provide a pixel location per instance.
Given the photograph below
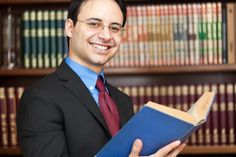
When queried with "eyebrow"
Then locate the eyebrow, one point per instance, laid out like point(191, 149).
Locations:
point(100, 20)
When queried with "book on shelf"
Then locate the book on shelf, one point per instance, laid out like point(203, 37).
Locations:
point(158, 125)
point(231, 33)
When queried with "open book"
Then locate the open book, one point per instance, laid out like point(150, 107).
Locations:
point(158, 125)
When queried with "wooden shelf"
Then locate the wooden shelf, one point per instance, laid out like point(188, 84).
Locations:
point(10, 151)
point(174, 69)
point(209, 150)
point(187, 150)
point(13, 2)
point(129, 71)
point(32, 1)
point(25, 72)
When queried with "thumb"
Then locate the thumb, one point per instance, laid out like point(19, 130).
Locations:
point(136, 148)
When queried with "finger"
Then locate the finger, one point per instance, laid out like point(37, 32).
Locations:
point(136, 148)
point(177, 150)
point(168, 148)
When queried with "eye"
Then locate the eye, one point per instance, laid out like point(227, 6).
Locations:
point(93, 24)
point(115, 28)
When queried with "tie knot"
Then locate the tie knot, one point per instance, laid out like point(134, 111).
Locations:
point(100, 85)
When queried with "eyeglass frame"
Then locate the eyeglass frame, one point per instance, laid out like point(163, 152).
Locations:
point(121, 31)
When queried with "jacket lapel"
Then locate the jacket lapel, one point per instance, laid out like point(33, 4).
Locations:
point(76, 86)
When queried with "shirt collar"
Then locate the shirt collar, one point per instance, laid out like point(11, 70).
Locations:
point(88, 76)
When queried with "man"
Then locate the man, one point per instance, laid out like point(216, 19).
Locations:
point(62, 114)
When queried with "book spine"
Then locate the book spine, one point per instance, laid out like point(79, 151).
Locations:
point(209, 33)
point(171, 35)
point(163, 95)
point(33, 39)
point(40, 38)
point(207, 125)
point(156, 94)
point(222, 110)
point(134, 98)
point(224, 34)
point(192, 100)
point(46, 38)
point(191, 35)
point(159, 60)
point(26, 38)
point(186, 53)
point(12, 116)
point(3, 122)
point(230, 114)
point(146, 45)
point(142, 99)
point(200, 137)
point(149, 95)
point(150, 35)
point(178, 100)
point(204, 53)
point(219, 32)
point(52, 33)
point(135, 29)
point(231, 32)
point(214, 33)
point(59, 35)
point(215, 116)
point(170, 96)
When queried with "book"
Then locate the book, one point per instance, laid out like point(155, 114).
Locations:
point(231, 33)
point(158, 125)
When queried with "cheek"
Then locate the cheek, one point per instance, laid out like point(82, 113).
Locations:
point(117, 41)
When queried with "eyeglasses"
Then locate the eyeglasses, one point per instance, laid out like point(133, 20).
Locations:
point(98, 26)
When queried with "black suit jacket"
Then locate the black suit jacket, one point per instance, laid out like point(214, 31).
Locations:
point(57, 117)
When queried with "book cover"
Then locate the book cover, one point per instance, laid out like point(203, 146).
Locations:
point(158, 125)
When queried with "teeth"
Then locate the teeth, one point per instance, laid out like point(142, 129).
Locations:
point(100, 47)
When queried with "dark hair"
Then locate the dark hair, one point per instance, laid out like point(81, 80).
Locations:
point(75, 6)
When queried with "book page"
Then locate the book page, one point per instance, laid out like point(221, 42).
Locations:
point(201, 108)
point(173, 112)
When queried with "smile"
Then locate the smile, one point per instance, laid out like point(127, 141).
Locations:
point(100, 47)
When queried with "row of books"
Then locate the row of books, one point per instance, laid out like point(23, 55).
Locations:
point(156, 35)
point(9, 99)
point(44, 40)
point(221, 125)
point(183, 34)
point(218, 130)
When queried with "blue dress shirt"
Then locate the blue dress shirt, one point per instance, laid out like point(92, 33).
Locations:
point(88, 76)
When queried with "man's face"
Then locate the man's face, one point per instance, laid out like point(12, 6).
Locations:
point(89, 45)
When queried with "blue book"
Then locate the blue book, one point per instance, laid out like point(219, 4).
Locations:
point(158, 125)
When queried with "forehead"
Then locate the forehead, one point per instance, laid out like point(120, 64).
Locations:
point(106, 10)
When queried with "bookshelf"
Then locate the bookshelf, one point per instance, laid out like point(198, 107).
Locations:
point(126, 76)
point(187, 151)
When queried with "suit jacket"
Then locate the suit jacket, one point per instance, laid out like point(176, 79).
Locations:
point(57, 117)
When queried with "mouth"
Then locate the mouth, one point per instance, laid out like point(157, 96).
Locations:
point(100, 47)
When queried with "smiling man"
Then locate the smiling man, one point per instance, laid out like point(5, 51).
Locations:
point(74, 111)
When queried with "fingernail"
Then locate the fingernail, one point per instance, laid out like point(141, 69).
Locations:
point(177, 142)
point(137, 142)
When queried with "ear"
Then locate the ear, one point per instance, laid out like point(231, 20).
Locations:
point(69, 27)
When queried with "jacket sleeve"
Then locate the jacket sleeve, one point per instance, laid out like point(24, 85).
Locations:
point(40, 126)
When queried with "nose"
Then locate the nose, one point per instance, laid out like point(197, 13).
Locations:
point(105, 34)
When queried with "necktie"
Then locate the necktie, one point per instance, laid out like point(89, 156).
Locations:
point(108, 108)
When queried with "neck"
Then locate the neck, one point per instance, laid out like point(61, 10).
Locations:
point(95, 68)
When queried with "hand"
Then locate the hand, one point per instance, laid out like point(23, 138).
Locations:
point(170, 150)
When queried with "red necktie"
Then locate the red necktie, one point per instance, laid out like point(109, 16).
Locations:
point(108, 108)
